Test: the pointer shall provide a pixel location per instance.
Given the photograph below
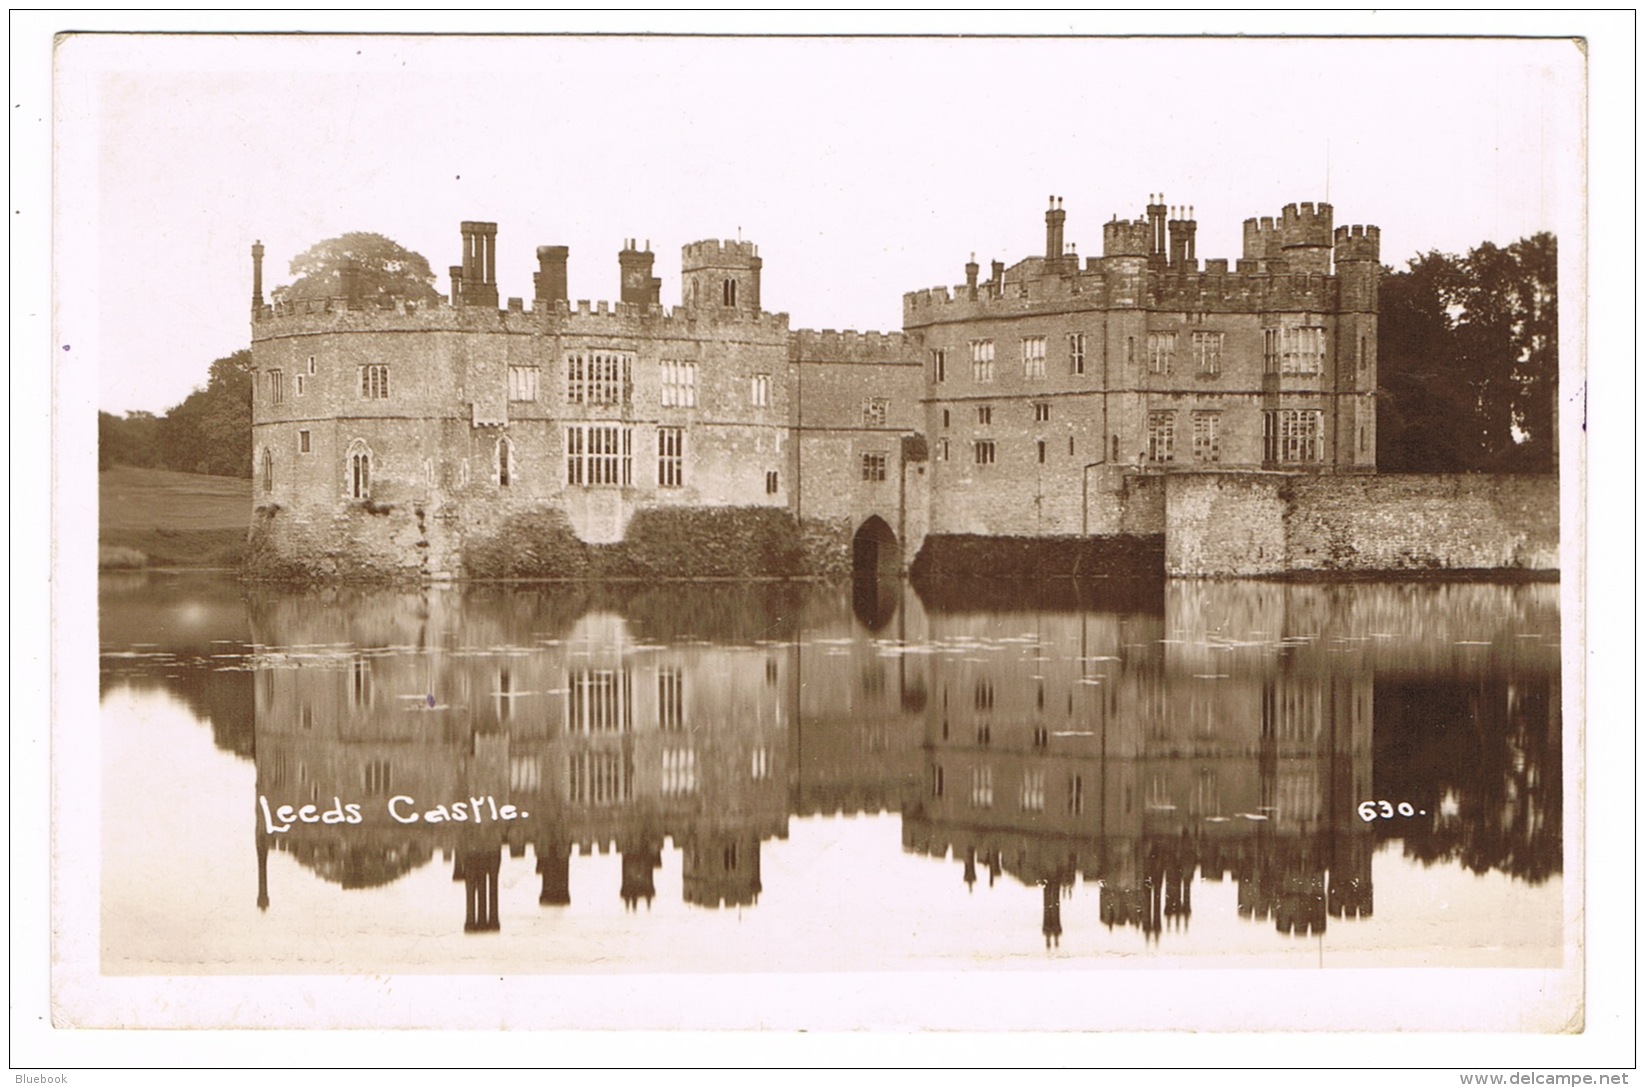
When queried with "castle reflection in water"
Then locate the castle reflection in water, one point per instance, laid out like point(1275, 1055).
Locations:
point(1138, 742)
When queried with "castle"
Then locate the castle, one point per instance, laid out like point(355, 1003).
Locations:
point(1052, 400)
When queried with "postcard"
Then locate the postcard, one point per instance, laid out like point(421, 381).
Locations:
point(1049, 534)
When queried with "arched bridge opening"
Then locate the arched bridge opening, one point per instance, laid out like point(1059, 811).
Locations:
point(875, 552)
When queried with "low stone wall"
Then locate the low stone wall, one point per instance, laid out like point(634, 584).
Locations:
point(1265, 524)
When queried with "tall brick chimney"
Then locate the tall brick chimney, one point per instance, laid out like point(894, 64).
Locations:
point(639, 286)
point(1053, 229)
point(551, 267)
point(256, 275)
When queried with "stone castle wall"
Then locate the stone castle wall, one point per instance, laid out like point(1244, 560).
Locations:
point(1260, 524)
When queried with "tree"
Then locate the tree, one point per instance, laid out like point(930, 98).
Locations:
point(132, 439)
point(386, 271)
point(210, 432)
point(1469, 361)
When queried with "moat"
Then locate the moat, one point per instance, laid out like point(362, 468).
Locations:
point(802, 777)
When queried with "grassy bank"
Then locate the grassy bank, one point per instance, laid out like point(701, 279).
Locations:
point(151, 517)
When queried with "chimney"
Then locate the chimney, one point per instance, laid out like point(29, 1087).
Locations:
point(996, 280)
point(479, 264)
point(638, 285)
point(1053, 229)
point(971, 278)
point(1156, 227)
point(256, 276)
point(551, 281)
point(351, 283)
point(456, 285)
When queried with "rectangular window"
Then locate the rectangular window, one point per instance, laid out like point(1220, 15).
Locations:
point(939, 365)
point(1033, 357)
point(985, 414)
point(1293, 350)
point(670, 457)
point(942, 449)
point(984, 451)
point(1076, 795)
point(982, 787)
point(302, 380)
point(1207, 440)
point(378, 777)
point(374, 381)
point(276, 387)
point(599, 455)
point(1033, 791)
point(670, 699)
point(759, 390)
point(873, 467)
point(311, 364)
point(1207, 347)
point(1363, 358)
point(1042, 413)
point(599, 377)
point(600, 778)
point(522, 382)
point(679, 384)
point(771, 483)
point(303, 442)
point(1039, 447)
point(1293, 435)
point(874, 411)
point(1162, 352)
point(599, 701)
point(679, 767)
point(1162, 436)
point(1076, 353)
point(982, 360)
point(525, 773)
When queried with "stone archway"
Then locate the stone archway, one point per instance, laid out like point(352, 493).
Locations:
point(875, 552)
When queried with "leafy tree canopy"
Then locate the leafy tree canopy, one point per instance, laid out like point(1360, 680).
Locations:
point(209, 432)
point(1468, 351)
point(387, 271)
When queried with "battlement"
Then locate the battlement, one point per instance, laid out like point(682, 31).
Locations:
point(1125, 238)
point(1306, 224)
point(717, 253)
point(583, 317)
point(829, 346)
point(1358, 243)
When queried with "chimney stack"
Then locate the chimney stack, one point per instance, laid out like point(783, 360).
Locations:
point(1053, 229)
point(256, 276)
point(550, 277)
point(638, 285)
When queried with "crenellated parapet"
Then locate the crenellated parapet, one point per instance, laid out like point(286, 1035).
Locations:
point(1126, 238)
point(850, 346)
point(1358, 243)
point(717, 253)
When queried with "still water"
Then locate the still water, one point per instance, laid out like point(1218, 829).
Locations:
point(811, 778)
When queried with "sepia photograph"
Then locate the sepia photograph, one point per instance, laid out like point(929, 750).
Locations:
point(902, 532)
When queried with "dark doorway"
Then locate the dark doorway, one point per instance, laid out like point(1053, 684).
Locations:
point(874, 550)
point(876, 567)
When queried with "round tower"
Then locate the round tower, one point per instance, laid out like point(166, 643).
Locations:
point(721, 277)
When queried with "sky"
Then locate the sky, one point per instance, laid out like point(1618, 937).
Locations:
point(863, 168)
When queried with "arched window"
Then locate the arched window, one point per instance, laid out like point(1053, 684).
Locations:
point(505, 462)
point(729, 290)
point(268, 470)
point(357, 481)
